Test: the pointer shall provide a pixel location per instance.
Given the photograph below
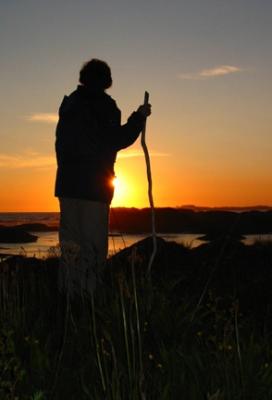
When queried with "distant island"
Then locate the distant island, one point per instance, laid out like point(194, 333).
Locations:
point(260, 207)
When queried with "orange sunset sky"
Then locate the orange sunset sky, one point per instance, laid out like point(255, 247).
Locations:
point(207, 65)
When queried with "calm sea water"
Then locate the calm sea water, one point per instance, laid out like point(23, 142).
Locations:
point(47, 242)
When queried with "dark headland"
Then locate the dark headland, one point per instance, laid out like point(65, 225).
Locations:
point(182, 220)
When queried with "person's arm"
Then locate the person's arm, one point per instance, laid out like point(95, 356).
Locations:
point(121, 136)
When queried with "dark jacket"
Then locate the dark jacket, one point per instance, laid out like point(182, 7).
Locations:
point(88, 136)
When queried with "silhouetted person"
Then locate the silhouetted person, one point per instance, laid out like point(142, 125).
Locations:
point(88, 136)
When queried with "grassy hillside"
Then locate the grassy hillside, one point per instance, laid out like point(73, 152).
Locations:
point(199, 327)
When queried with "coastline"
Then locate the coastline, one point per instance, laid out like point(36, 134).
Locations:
point(186, 226)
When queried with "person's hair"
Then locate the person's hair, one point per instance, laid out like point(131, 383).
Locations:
point(95, 74)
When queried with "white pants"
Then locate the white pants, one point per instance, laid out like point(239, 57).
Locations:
point(83, 237)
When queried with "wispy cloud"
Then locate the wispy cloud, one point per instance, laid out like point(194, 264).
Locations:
point(27, 159)
point(47, 118)
point(140, 153)
point(218, 71)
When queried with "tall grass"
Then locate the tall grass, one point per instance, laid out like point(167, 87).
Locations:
point(135, 339)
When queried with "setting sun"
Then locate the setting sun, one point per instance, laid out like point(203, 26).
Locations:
point(125, 191)
point(121, 190)
point(116, 182)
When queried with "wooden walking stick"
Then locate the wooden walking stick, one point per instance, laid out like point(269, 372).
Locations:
point(150, 194)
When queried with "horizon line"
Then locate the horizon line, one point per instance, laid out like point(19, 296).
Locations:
point(184, 206)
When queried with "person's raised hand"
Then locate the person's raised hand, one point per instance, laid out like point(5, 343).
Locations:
point(145, 110)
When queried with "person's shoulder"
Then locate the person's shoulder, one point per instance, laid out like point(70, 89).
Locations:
point(109, 98)
point(71, 102)
point(111, 103)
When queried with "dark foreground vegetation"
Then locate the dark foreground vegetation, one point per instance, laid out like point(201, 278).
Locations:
point(199, 327)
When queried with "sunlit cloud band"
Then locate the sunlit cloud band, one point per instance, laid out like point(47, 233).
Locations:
point(140, 153)
point(32, 159)
point(48, 118)
point(26, 160)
